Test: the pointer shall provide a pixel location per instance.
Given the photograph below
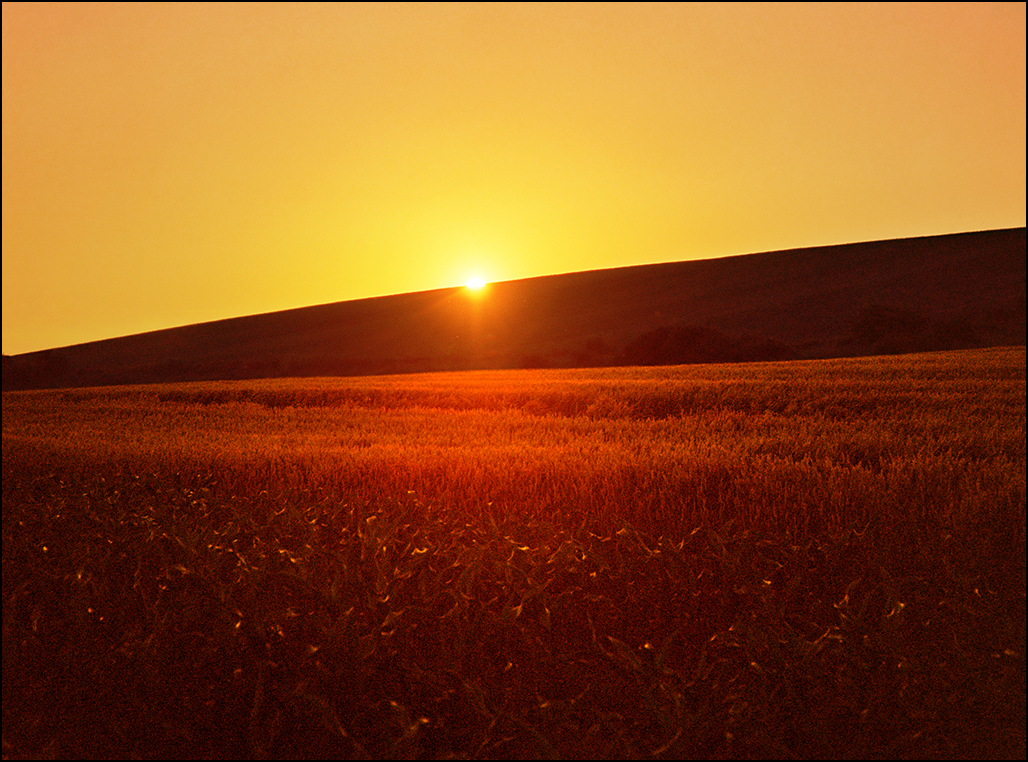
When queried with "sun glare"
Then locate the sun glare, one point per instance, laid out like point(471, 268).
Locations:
point(475, 284)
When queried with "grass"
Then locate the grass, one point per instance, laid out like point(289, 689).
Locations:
point(815, 559)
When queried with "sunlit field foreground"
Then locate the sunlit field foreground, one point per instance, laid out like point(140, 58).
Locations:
point(806, 559)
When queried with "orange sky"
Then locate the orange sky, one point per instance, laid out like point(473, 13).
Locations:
point(174, 164)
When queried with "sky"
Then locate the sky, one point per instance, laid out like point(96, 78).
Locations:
point(169, 164)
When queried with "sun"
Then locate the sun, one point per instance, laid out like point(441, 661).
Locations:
point(475, 284)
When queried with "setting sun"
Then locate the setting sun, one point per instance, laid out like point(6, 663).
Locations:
point(300, 155)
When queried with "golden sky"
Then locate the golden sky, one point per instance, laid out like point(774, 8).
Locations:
point(166, 164)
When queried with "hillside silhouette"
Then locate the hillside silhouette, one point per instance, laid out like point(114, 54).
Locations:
point(955, 291)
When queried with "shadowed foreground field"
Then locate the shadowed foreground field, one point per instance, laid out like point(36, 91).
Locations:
point(810, 559)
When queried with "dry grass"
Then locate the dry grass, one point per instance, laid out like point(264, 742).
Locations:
point(794, 559)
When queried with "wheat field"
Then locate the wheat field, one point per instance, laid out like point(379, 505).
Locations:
point(796, 559)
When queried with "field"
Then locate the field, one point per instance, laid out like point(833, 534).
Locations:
point(800, 559)
point(945, 292)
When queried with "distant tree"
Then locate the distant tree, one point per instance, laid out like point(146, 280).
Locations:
point(880, 329)
point(690, 344)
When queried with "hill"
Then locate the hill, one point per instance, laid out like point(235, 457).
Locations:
point(955, 291)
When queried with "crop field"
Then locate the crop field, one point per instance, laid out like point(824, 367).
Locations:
point(797, 559)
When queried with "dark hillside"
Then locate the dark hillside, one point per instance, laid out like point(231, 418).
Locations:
point(940, 292)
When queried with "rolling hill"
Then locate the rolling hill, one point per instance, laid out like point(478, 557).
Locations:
point(953, 291)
